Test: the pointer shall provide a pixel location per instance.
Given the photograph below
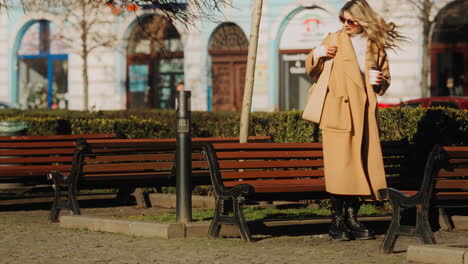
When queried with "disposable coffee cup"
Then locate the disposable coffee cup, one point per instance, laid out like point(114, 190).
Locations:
point(373, 76)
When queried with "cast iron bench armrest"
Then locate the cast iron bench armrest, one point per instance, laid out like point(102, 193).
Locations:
point(60, 181)
point(441, 177)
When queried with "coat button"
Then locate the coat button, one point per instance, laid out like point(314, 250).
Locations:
point(346, 100)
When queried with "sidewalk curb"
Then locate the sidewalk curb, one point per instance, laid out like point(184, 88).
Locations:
point(439, 254)
point(143, 229)
point(173, 230)
point(166, 200)
point(460, 222)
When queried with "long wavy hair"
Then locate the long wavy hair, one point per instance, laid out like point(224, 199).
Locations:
point(382, 33)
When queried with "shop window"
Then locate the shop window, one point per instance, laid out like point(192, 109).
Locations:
point(42, 67)
point(155, 62)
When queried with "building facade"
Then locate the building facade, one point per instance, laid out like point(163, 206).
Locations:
point(146, 56)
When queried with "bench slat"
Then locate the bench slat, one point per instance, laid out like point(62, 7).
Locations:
point(160, 142)
point(16, 161)
point(136, 157)
point(454, 173)
point(269, 186)
point(54, 144)
point(127, 167)
point(267, 146)
point(31, 170)
point(457, 152)
point(452, 196)
point(270, 154)
point(270, 164)
point(271, 174)
point(54, 137)
point(458, 161)
point(452, 184)
point(30, 152)
point(126, 176)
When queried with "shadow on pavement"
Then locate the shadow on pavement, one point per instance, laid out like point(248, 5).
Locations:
point(45, 203)
point(260, 228)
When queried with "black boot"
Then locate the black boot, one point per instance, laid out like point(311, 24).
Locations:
point(338, 229)
point(358, 230)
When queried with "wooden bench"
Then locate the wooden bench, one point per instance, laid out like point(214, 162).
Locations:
point(444, 185)
point(276, 171)
point(27, 159)
point(127, 164)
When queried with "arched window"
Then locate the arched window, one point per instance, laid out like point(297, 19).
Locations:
point(228, 49)
point(449, 51)
point(155, 63)
point(42, 67)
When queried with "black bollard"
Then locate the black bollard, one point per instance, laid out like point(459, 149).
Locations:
point(183, 159)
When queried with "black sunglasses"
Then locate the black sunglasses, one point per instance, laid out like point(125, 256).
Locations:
point(349, 21)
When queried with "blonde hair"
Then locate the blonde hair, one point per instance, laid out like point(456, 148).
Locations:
point(382, 33)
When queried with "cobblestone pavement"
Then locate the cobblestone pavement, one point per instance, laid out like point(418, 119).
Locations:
point(27, 238)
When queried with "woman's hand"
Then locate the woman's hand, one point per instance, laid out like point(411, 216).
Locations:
point(331, 51)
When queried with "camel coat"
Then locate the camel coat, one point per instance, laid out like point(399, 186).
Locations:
point(350, 130)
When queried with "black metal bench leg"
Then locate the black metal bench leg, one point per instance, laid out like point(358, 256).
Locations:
point(448, 223)
point(240, 221)
point(215, 226)
point(423, 227)
point(55, 210)
point(72, 201)
point(392, 233)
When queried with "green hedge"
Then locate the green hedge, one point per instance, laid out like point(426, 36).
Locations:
point(420, 126)
point(132, 127)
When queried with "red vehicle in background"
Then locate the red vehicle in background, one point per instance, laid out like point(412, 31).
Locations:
point(387, 105)
point(444, 101)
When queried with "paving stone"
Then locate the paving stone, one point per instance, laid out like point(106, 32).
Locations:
point(77, 222)
point(52, 244)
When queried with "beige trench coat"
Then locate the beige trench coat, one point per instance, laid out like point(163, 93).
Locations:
point(350, 131)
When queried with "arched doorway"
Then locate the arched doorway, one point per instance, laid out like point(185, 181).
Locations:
point(304, 29)
point(42, 64)
point(155, 63)
point(449, 51)
point(228, 49)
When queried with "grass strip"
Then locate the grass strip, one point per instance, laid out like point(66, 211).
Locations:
point(259, 213)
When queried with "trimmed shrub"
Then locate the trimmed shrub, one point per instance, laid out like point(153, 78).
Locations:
point(423, 127)
point(132, 127)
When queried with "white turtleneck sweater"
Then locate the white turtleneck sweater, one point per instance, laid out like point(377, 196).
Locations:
point(359, 42)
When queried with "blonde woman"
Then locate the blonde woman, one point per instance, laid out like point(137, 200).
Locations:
point(350, 132)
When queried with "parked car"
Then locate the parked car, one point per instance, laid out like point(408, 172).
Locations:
point(444, 101)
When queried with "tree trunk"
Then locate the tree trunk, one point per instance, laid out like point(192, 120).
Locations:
point(84, 74)
point(426, 60)
point(250, 74)
point(84, 54)
point(426, 67)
